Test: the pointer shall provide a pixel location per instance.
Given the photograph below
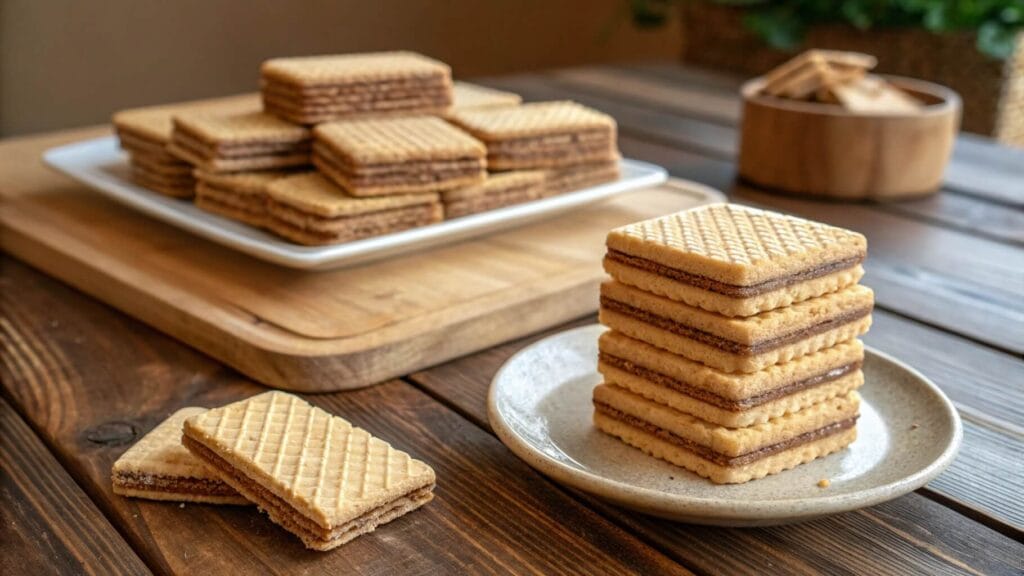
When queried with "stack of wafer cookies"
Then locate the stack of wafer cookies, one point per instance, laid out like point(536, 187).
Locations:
point(145, 133)
point(837, 77)
point(240, 196)
point(733, 348)
point(314, 89)
point(311, 472)
point(498, 190)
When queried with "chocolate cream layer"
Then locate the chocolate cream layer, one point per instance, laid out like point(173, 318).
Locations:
point(660, 379)
point(719, 458)
point(728, 345)
point(288, 516)
point(732, 290)
point(173, 484)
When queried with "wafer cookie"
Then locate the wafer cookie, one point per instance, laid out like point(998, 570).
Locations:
point(498, 190)
point(158, 467)
point(724, 455)
point(309, 209)
point(732, 400)
point(235, 142)
point(541, 135)
point(409, 155)
point(468, 96)
point(735, 260)
point(313, 473)
point(240, 196)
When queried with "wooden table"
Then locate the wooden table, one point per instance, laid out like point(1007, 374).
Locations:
point(80, 380)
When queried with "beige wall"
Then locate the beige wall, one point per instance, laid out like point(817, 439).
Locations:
point(65, 63)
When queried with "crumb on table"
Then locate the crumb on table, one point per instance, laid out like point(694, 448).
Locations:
point(824, 483)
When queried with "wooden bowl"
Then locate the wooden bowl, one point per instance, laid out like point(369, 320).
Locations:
point(816, 149)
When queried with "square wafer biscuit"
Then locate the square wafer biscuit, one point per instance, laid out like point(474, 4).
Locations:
point(735, 260)
point(232, 142)
point(158, 467)
point(541, 134)
point(240, 196)
point(381, 156)
point(725, 455)
point(499, 190)
point(730, 400)
point(309, 209)
point(737, 344)
point(313, 473)
point(316, 89)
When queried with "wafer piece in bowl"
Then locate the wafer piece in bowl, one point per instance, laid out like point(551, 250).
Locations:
point(468, 96)
point(232, 142)
point(735, 260)
point(158, 467)
point(726, 399)
point(724, 455)
point(541, 135)
point(737, 344)
point(580, 176)
point(313, 473)
point(499, 190)
point(409, 155)
point(314, 89)
point(309, 209)
point(240, 196)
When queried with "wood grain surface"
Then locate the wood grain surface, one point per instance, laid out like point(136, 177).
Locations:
point(491, 514)
point(315, 331)
point(47, 524)
point(948, 272)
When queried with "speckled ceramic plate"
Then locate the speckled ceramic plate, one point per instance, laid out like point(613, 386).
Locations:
point(539, 405)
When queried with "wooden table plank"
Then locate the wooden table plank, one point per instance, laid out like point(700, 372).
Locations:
point(644, 121)
point(47, 524)
point(910, 534)
point(492, 512)
point(979, 167)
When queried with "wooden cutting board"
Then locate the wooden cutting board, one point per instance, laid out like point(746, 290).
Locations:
point(313, 331)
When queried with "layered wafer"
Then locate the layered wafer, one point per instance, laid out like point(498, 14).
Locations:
point(733, 400)
point(497, 191)
point(466, 96)
point(313, 473)
point(233, 142)
point(315, 89)
point(735, 260)
point(145, 134)
point(541, 135)
point(408, 155)
point(240, 196)
point(309, 209)
point(721, 454)
point(733, 344)
point(579, 176)
point(158, 467)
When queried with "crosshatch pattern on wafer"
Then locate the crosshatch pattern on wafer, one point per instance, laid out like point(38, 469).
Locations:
point(329, 470)
point(246, 127)
point(532, 119)
point(388, 140)
point(348, 68)
point(736, 244)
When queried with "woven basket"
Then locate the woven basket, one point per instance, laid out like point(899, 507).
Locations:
point(992, 91)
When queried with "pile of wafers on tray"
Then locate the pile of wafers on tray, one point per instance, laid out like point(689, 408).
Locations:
point(342, 147)
point(837, 77)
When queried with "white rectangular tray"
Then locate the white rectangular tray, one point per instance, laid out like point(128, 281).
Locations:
point(100, 164)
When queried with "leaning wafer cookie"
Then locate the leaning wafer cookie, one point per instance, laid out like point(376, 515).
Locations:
point(313, 473)
point(158, 467)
